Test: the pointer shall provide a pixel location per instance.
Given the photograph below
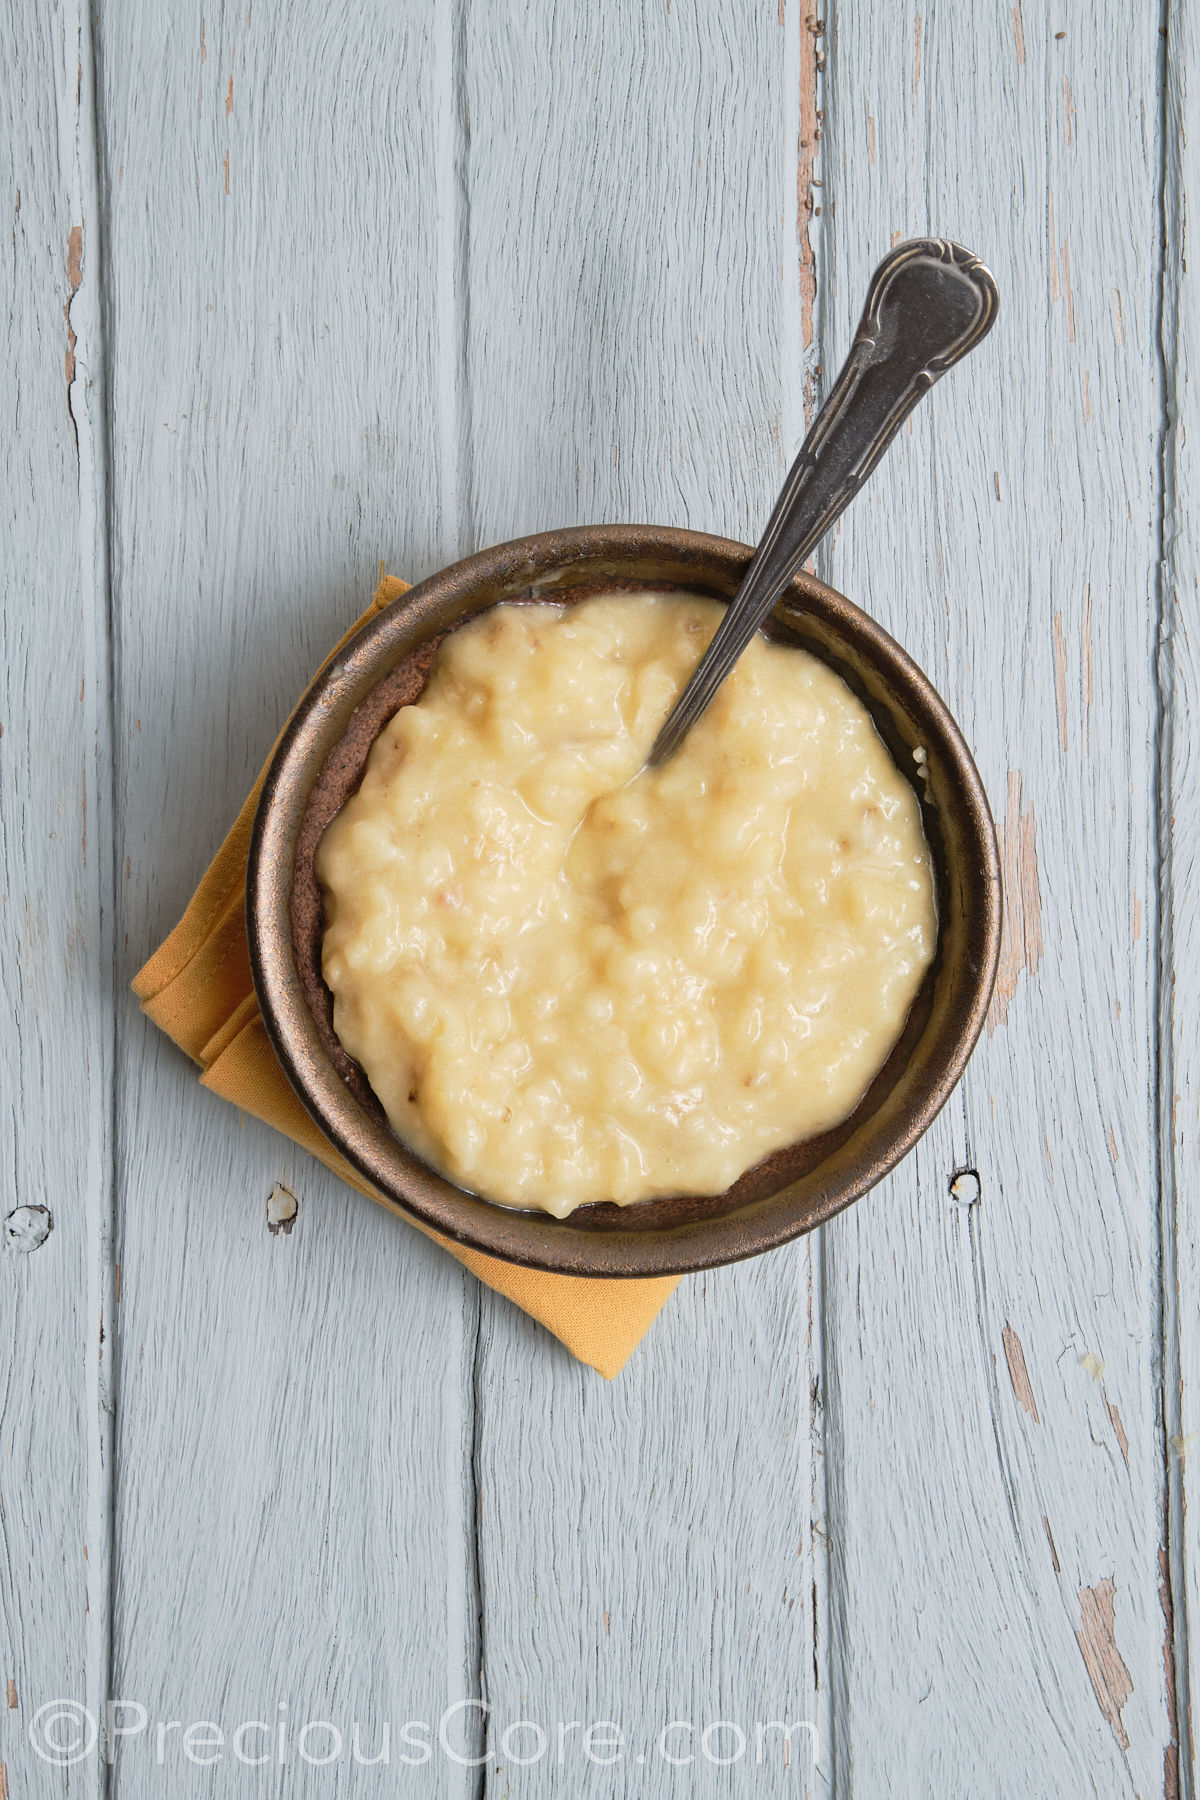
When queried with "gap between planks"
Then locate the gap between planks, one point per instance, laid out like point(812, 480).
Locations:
point(1176, 1201)
point(87, 372)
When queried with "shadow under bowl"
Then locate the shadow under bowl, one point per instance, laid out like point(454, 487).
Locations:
point(319, 763)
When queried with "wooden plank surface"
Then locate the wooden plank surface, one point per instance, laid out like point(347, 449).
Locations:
point(55, 908)
point(635, 352)
point(294, 1496)
point(995, 1450)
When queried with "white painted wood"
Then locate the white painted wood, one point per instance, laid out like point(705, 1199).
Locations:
point(1179, 824)
point(635, 352)
point(294, 1487)
point(55, 904)
point(995, 1458)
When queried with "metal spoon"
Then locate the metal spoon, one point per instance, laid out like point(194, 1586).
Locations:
point(929, 302)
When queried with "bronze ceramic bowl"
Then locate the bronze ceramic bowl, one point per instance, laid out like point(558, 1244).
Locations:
point(320, 760)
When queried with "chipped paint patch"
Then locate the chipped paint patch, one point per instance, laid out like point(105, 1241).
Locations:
point(1068, 295)
point(1018, 31)
point(74, 279)
point(1021, 940)
point(1096, 1637)
point(1171, 1747)
point(1060, 678)
point(806, 167)
point(917, 23)
point(1119, 1432)
point(1018, 1374)
point(1118, 317)
point(282, 1207)
point(1085, 650)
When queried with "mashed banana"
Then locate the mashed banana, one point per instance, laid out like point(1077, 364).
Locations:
point(571, 979)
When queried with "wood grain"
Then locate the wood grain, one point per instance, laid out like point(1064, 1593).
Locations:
point(295, 1488)
point(995, 1459)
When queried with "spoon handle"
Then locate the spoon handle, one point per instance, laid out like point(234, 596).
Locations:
point(929, 302)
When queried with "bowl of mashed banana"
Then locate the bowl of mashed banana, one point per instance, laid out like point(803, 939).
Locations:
point(597, 1017)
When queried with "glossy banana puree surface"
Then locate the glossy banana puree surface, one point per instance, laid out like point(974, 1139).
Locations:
point(569, 978)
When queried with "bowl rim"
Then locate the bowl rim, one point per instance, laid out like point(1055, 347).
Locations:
point(394, 1174)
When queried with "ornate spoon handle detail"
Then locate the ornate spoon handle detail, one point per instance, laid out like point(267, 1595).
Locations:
point(929, 302)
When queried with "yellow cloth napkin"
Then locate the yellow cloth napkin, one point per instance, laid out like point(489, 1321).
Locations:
point(198, 988)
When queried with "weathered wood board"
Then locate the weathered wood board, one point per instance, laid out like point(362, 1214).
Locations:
point(995, 1449)
point(54, 835)
point(294, 1491)
point(634, 353)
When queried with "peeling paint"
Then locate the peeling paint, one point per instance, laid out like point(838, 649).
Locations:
point(1021, 940)
point(1114, 1419)
point(1060, 678)
point(1050, 1541)
point(806, 164)
point(1018, 31)
point(74, 278)
point(916, 54)
point(1118, 317)
point(282, 1207)
point(1096, 1637)
point(1068, 295)
point(1018, 1374)
point(1171, 1747)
